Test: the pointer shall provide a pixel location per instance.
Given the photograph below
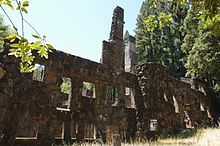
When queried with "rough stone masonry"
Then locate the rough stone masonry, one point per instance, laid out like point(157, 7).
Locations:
point(71, 98)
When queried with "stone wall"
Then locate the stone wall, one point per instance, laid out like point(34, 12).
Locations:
point(34, 106)
point(174, 104)
point(31, 104)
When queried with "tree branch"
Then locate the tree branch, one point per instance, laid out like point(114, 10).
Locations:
point(22, 19)
point(34, 29)
point(8, 17)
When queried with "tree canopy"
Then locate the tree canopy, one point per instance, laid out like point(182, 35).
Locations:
point(203, 50)
point(191, 39)
point(162, 44)
point(208, 13)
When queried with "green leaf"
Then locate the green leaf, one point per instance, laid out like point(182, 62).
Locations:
point(32, 68)
point(29, 59)
point(36, 36)
point(23, 9)
point(42, 51)
point(21, 67)
point(46, 55)
point(18, 8)
point(25, 67)
point(19, 5)
point(15, 45)
point(12, 36)
point(151, 23)
point(36, 45)
point(25, 4)
point(49, 46)
point(8, 3)
point(15, 52)
point(165, 19)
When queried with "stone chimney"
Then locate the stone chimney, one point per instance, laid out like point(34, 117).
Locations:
point(130, 52)
point(113, 50)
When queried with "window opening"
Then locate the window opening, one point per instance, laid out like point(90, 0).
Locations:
point(202, 107)
point(127, 91)
point(175, 105)
point(165, 96)
point(153, 124)
point(66, 92)
point(112, 94)
point(88, 90)
point(129, 97)
point(38, 73)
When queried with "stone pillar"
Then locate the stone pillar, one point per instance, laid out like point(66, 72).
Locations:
point(67, 126)
point(101, 111)
point(80, 134)
point(47, 126)
point(76, 94)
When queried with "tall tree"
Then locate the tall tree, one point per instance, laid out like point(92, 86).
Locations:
point(191, 30)
point(4, 31)
point(202, 48)
point(172, 37)
point(208, 13)
point(203, 55)
point(162, 44)
point(143, 43)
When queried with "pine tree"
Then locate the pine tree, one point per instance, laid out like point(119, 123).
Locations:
point(147, 42)
point(190, 26)
point(202, 48)
point(162, 45)
point(203, 56)
point(142, 35)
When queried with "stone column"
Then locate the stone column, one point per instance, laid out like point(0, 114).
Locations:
point(80, 134)
point(67, 126)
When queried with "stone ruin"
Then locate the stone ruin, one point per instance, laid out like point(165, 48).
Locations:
point(70, 98)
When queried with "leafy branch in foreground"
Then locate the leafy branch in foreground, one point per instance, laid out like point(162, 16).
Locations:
point(209, 14)
point(23, 49)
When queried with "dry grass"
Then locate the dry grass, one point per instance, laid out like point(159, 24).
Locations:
point(202, 137)
point(210, 137)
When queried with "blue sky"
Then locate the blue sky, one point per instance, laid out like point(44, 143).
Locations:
point(77, 27)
